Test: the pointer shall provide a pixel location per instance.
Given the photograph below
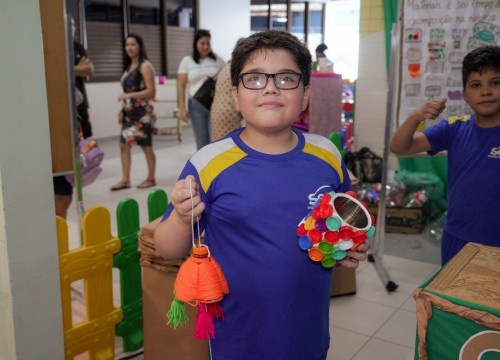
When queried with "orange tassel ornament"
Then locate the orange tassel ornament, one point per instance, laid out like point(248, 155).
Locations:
point(200, 282)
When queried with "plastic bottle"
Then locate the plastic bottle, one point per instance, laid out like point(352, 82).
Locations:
point(417, 200)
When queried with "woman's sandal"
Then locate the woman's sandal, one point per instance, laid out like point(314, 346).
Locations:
point(120, 186)
point(146, 184)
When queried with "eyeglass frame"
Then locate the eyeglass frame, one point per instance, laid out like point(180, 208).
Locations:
point(267, 79)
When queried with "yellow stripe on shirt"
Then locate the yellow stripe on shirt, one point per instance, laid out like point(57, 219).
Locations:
point(452, 119)
point(324, 149)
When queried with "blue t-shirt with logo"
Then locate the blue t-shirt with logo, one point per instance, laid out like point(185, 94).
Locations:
point(278, 301)
point(473, 177)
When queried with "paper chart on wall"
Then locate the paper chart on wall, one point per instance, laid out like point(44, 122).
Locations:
point(436, 35)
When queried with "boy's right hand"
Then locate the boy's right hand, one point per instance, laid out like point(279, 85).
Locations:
point(430, 110)
point(186, 199)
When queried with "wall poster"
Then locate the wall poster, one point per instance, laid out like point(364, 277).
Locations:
point(435, 37)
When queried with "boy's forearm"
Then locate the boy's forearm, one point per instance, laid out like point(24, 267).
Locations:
point(173, 238)
point(403, 138)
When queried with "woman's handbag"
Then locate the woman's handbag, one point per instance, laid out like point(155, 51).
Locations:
point(91, 157)
point(205, 94)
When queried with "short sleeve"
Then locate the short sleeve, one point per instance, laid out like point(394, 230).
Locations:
point(184, 65)
point(438, 136)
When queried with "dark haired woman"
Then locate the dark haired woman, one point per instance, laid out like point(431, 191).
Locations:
point(192, 73)
point(137, 117)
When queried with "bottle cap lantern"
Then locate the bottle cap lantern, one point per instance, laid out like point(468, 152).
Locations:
point(337, 223)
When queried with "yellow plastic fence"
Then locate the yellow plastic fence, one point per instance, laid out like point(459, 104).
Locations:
point(93, 263)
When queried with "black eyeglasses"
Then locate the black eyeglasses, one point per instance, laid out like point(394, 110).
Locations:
point(282, 81)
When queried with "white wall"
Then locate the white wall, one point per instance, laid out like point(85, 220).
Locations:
point(227, 20)
point(30, 295)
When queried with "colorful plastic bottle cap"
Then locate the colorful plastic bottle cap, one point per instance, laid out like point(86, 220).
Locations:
point(328, 262)
point(359, 236)
point(332, 193)
point(345, 244)
point(316, 214)
point(309, 224)
point(326, 198)
point(321, 225)
point(333, 223)
point(301, 230)
point(325, 247)
point(315, 254)
point(304, 243)
point(346, 232)
point(372, 218)
point(331, 237)
point(370, 232)
point(352, 194)
point(339, 254)
point(326, 211)
point(314, 236)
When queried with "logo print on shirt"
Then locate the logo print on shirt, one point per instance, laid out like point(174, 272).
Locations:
point(494, 153)
point(317, 195)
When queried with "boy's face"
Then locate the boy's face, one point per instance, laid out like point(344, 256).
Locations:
point(482, 93)
point(270, 109)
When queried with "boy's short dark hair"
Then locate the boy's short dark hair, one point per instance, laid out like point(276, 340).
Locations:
point(271, 40)
point(480, 60)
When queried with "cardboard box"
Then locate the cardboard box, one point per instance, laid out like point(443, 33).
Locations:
point(343, 282)
point(401, 220)
point(161, 341)
point(458, 308)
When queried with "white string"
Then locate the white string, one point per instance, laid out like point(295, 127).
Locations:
point(192, 217)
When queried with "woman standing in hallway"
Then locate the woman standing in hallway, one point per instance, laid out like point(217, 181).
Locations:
point(137, 117)
point(192, 73)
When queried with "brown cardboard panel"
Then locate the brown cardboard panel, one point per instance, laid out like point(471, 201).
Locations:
point(472, 275)
point(343, 282)
point(401, 220)
point(161, 341)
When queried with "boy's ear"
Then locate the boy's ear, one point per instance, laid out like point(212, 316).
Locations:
point(307, 95)
point(234, 93)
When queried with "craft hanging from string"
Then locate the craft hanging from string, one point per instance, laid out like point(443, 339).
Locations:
point(201, 283)
point(337, 223)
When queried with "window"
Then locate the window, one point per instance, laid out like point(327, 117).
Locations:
point(166, 41)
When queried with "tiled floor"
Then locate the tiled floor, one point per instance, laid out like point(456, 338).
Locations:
point(372, 324)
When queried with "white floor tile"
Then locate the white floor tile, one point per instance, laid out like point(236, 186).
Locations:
point(376, 349)
point(399, 329)
point(344, 344)
point(358, 315)
point(371, 288)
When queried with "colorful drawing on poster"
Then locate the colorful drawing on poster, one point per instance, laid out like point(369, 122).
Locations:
point(413, 35)
point(413, 55)
point(454, 77)
point(483, 34)
point(455, 95)
point(412, 89)
point(434, 67)
point(432, 91)
point(414, 70)
point(456, 57)
point(458, 35)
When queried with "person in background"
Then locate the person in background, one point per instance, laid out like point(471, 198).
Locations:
point(137, 117)
point(224, 117)
point(192, 73)
point(83, 69)
point(473, 146)
point(249, 191)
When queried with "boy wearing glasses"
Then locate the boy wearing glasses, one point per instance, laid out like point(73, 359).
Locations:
point(250, 190)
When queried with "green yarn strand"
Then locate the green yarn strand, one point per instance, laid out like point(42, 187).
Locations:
point(177, 314)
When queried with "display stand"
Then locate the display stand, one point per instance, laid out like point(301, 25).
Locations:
point(376, 256)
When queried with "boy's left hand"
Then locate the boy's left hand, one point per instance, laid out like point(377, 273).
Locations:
point(354, 257)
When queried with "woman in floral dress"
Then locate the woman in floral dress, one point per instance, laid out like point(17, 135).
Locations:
point(137, 117)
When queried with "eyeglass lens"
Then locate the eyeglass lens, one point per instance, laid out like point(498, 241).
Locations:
point(283, 81)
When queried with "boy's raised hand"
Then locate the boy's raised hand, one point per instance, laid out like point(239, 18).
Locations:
point(430, 110)
point(186, 199)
